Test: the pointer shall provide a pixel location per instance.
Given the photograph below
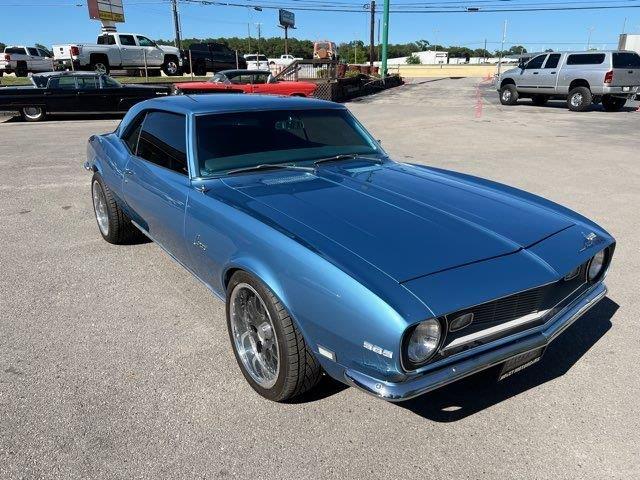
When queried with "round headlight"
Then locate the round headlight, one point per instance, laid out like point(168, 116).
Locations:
point(423, 341)
point(596, 266)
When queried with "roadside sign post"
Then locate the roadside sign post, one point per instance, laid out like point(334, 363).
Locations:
point(287, 20)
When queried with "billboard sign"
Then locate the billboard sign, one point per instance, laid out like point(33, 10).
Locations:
point(106, 10)
point(287, 19)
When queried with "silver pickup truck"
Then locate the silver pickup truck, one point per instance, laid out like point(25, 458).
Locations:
point(582, 78)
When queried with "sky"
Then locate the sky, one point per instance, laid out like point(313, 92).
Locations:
point(49, 22)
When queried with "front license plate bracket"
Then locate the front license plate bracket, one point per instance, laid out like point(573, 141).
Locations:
point(520, 362)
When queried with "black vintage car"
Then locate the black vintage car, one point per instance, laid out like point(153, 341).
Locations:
point(74, 92)
point(211, 57)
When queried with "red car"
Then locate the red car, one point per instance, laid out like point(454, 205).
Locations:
point(248, 81)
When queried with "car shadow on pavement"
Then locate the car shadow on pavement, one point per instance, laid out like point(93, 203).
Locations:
point(324, 389)
point(477, 392)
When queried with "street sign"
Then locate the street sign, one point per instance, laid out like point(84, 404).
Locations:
point(106, 10)
point(287, 19)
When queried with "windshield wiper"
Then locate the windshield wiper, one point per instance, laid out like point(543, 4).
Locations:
point(269, 166)
point(346, 156)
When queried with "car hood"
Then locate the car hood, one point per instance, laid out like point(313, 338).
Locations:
point(406, 221)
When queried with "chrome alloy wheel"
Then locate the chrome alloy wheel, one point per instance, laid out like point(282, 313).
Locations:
point(32, 112)
point(100, 68)
point(506, 95)
point(576, 100)
point(100, 207)
point(172, 67)
point(254, 335)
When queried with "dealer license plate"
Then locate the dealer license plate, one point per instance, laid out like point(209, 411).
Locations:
point(520, 362)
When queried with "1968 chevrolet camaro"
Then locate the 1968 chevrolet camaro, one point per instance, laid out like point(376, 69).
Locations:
point(390, 277)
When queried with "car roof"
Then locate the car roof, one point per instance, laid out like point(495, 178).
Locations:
point(66, 73)
point(234, 102)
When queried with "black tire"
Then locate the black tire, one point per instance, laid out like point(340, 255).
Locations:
point(539, 100)
point(299, 369)
point(579, 99)
point(100, 65)
point(613, 104)
point(33, 113)
point(200, 70)
point(21, 69)
point(120, 229)
point(509, 94)
point(171, 66)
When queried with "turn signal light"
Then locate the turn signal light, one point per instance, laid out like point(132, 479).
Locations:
point(608, 77)
point(7, 57)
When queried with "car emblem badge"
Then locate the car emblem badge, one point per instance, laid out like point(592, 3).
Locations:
point(590, 239)
point(378, 350)
point(199, 244)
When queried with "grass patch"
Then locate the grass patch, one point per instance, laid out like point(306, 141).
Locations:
point(10, 80)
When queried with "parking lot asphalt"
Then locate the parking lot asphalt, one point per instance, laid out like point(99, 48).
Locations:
point(115, 362)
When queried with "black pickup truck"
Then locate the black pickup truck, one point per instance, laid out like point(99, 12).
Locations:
point(74, 92)
point(211, 57)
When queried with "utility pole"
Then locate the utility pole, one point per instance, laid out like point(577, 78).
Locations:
point(372, 33)
point(258, 25)
point(624, 25)
point(385, 37)
point(485, 51)
point(504, 38)
point(176, 23)
point(591, 29)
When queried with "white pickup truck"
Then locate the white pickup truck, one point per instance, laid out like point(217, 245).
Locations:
point(283, 60)
point(119, 51)
point(24, 60)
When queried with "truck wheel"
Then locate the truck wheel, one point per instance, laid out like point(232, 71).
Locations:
point(200, 70)
point(271, 352)
point(509, 94)
point(114, 225)
point(613, 104)
point(579, 99)
point(171, 67)
point(539, 100)
point(21, 69)
point(33, 114)
point(100, 66)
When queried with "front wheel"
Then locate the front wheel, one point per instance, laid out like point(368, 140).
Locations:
point(270, 350)
point(613, 104)
point(171, 67)
point(33, 114)
point(509, 95)
point(579, 99)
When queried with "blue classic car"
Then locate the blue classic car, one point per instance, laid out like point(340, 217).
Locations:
point(331, 257)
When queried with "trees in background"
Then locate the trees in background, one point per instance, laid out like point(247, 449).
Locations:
point(2, 45)
point(355, 51)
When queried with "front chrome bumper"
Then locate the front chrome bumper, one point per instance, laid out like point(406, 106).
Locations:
point(424, 383)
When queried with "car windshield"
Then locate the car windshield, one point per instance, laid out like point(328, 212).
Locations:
point(239, 140)
point(218, 78)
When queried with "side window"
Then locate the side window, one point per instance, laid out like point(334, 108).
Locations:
point(33, 52)
point(132, 134)
point(586, 59)
point(64, 83)
point(87, 82)
point(536, 62)
point(552, 61)
point(127, 40)
point(145, 42)
point(163, 141)
point(260, 78)
point(44, 53)
point(241, 79)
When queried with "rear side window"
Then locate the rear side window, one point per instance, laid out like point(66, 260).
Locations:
point(64, 83)
point(536, 62)
point(133, 133)
point(163, 141)
point(15, 51)
point(33, 52)
point(552, 61)
point(127, 40)
point(626, 60)
point(106, 40)
point(87, 82)
point(586, 59)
